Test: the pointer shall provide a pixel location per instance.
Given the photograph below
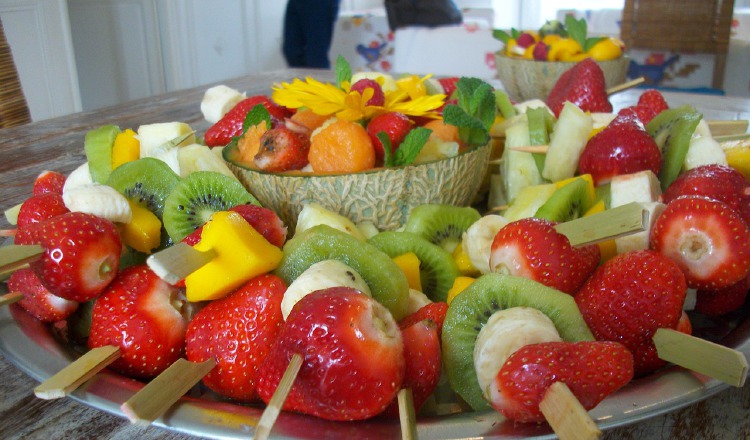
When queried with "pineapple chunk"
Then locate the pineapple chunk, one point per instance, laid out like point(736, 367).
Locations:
point(143, 231)
point(154, 137)
point(641, 187)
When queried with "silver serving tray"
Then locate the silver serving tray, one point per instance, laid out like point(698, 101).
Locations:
point(31, 346)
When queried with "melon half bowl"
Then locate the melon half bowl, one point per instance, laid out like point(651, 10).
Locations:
point(383, 196)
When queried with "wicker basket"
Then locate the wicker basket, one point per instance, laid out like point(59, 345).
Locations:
point(13, 108)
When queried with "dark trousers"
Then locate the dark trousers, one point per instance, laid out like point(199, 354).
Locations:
point(308, 31)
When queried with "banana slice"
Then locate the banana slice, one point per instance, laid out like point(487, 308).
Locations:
point(155, 138)
point(477, 240)
point(218, 100)
point(100, 200)
point(198, 157)
point(313, 214)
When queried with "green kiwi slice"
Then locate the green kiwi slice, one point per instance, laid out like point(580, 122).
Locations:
point(442, 225)
point(146, 181)
point(672, 130)
point(387, 282)
point(97, 145)
point(470, 311)
point(437, 268)
point(566, 203)
point(196, 197)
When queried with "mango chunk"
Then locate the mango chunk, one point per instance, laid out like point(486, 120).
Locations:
point(143, 231)
point(464, 262)
point(126, 148)
point(459, 285)
point(241, 252)
point(409, 264)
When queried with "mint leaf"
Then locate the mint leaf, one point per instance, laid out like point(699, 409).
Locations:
point(590, 42)
point(577, 29)
point(385, 141)
point(470, 129)
point(410, 147)
point(343, 70)
point(255, 116)
point(501, 35)
point(476, 102)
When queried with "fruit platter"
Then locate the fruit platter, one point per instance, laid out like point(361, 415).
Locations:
point(204, 301)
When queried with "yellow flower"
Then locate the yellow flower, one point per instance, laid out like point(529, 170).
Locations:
point(410, 99)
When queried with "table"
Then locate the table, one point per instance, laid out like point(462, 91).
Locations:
point(57, 144)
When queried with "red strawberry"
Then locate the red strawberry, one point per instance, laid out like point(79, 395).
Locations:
point(81, 254)
point(282, 149)
point(40, 208)
point(722, 301)
point(532, 248)
point(591, 370)
point(707, 239)
point(644, 114)
point(37, 300)
point(139, 314)
point(230, 125)
point(265, 221)
point(525, 40)
point(622, 147)
point(540, 52)
point(49, 182)
point(654, 100)
point(448, 84)
point(719, 182)
point(238, 331)
point(583, 85)
point(434, 312)
point(629, 297)
point(395, 125)
point(361, 86)
point(353, 356)
point(684, 325)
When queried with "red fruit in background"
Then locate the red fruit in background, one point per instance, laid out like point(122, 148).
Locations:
point(449, 85)
point(707, 239)
point(434, 312)
point(81, 254)
point(622, 147)
point(265, 221)
point(395, 125)
point(629, 297)
point(525, 40)
point(353, 356)
point(230, 125)
point(37, 300)
point(644, 114)
point(237, 331)
point(48, 182)
point(533, 249)
point(377, 98)
point(654, 100)
point(540, 51)
point(591, 370)
point(718, 182)
point(139, 314)
point(722, 301)
point(583, 85)
point(282, 149)
point(40, 208)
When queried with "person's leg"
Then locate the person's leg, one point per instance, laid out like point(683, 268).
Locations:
point(294, 38)
point(320, 17)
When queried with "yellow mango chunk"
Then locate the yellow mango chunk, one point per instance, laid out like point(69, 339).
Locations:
point(464, 262)
point(607, 249)
point(409, 264)
point(126, 148)
point(241, 252)
point(143, 231)
point(459, 285)
point(739, 159)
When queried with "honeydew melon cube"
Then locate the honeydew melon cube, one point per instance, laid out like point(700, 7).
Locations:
point(641, 187)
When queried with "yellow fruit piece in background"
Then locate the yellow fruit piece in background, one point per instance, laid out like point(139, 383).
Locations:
point(510, 48)
point(739, 159)
point(528, 53)
point(409, 264)
point(564, 49)
point(464, 262)
point(550, 38)
point(242, 253)
point(143, 231)
point(606, 49)
point(459, 285)
point(126, 148)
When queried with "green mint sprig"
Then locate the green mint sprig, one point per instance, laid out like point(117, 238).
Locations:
point(343, 70)
point(474, 112)
point(408, 150)
point(578, 30)
point(504, 36)
point(255, 116)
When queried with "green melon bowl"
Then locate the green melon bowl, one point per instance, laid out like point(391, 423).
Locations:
point(384, 196)
point(525, 79)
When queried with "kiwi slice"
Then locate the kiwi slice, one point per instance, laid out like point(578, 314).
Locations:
point(437, 268)
point(672, 130)
point(442, 225)
point(471, 310)
point(146, 181)
point(566, 203)
point(98, 147)
point(387, 282)
point(196, 197)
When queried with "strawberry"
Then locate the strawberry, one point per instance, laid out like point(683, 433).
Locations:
point(237, 331)
point(395, 125)
point(40, 208)
point(532, 248)
point(629, 297)
point(684, 325)
point(707, 239)
point(622, 147)
point(540, 51)
point(282, 149)
point(37, 300)
point(81, 254)
point(230, 125)
point(139, 313)
point(362, 85)
point(448, 85)
point(644, 114)
point(654, 100)
point(722, 301)
point(583, 85)
point(592, 370)
point(353, 356)
point(434, 311)
point(719, 182)
point(48, 182)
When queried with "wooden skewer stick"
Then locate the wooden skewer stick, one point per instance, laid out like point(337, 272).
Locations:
point(176, 262)
point(8, 232)
point(273, 409)
point(701, 356)
point(565, 414)
point(606, 225)
point(407, 415)
point(540, 149)
point(164, 390)
point(626, 85)
point(10, 298)
point(727, 127)
point(78, 372)
point(15, 256)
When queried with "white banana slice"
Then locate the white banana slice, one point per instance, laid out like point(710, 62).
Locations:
point(198, 157)
point(170, 157)
point(477, 240)
point(313, 214)
point(79, 177)
point(322, 275)
point(100, 200)
point(154, 137)
point(218, 100)
point(417, 300)
point(505, 332)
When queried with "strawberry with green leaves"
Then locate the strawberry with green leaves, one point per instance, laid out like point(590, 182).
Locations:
point(395, 125)
point(231, 124)
point(583, 85)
